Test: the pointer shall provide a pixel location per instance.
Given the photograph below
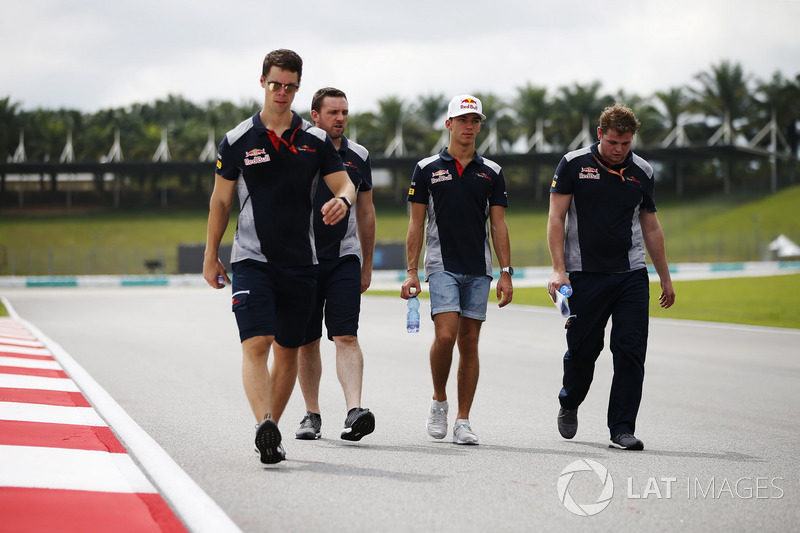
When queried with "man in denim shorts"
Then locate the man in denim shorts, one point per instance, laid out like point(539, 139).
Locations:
point(457, 190)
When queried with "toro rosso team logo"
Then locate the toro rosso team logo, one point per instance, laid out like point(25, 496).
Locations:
point(441, 175)
point(255, 156)
point(589, 173)
point(484, 175)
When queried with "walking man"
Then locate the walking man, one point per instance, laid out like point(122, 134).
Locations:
point(458, 190)
point(602, 219)
point(273, 160)
point(345, 253)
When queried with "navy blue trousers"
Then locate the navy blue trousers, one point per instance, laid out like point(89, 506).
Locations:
point(625, 299)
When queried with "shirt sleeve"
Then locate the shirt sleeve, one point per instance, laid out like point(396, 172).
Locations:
point(563, 181)
point(366, 176)
point(330, 161)
point(226, 166)
point(418, 192)
point(499, 191)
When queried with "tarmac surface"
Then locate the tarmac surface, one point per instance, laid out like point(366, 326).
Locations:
point(718, 419)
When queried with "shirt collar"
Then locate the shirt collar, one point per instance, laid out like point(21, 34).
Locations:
point(297, 120)
point(448, 157)
point(625, 163)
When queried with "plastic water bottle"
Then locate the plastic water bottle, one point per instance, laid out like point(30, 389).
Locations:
point(412, 319)
point(566, 290)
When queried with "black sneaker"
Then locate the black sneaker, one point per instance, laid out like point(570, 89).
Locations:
point(567, 422)
point(626, 441)
point(359, 422)
point(310, 427)
point(268, 442)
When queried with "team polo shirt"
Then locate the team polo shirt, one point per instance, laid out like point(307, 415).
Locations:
point(603, 233)
point(341, 239)
point(458, 201)
point(276, 179)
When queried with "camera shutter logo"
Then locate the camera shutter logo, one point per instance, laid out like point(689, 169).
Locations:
point(586, 509)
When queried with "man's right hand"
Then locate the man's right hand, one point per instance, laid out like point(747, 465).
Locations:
point(556, 281)
point(411, 286)
point(213, 271)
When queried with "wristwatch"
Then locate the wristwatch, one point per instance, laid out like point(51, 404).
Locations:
point(508, 269)
point(346, 201)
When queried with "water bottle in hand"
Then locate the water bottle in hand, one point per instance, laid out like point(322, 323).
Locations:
point(566, 290)
point(412, 319)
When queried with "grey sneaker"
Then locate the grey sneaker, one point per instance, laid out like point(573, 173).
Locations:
point(268, 442)
point(463, 434)
point(310, 427)
point(626, 441)
point(437, 419)
point(359, 422)
point(567, 422)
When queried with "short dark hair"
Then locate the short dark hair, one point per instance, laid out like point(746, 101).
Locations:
point(619, 118)
point(316, 101)
point(283, 59)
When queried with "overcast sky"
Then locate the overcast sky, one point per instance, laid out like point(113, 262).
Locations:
point(96, 54)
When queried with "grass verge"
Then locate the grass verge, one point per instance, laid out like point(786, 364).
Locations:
point(764, 301)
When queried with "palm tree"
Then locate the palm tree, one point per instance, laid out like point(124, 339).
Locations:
point(431, 109)
point(670, 106)
point(9, 126)
point(782, 97)
point(532, 110)
point(724, 93)
point(576, 109)
point(780, 101)
point(531, 125)
point(390, 124)
point(429, 115)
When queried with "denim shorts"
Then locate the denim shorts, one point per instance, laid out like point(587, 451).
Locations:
point(466, 294)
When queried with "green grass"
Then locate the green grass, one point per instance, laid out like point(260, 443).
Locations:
point(713, 229)
point(729, 300)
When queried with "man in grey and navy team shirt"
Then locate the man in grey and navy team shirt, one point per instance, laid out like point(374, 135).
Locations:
point(342, 278)
point(274, 160)
point(602, 217)
point(459, 191)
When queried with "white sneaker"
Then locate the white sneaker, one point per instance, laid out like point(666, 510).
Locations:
point(437, 419)
point(463, 434)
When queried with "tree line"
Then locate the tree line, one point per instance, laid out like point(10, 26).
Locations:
point(724, 92)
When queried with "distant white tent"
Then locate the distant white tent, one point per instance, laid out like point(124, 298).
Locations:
point(784, 247)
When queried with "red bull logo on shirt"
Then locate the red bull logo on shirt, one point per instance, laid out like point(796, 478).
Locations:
point(589, 173)
point(255, 156)
point(441, 175)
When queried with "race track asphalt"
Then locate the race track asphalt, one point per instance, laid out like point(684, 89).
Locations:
point(718, 418)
